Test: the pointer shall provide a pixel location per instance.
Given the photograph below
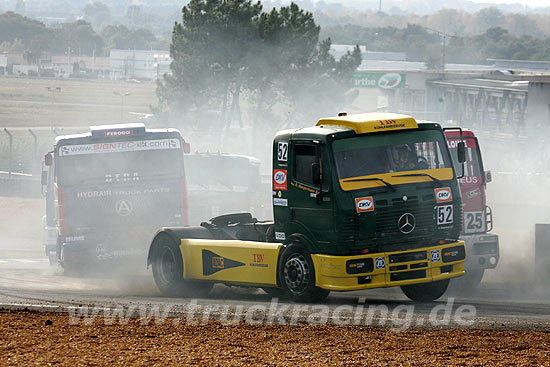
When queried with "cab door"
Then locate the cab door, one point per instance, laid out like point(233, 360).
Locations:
point(310, 200)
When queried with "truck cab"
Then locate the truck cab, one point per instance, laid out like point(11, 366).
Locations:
point(482, 247)
point(359, 201)
point(107, 191)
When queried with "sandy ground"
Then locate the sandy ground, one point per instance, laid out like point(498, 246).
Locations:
point(29, 338)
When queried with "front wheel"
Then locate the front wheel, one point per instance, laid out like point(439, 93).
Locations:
point(167, 265)
point(470, 280)
point(425, 292)
point(297, 275)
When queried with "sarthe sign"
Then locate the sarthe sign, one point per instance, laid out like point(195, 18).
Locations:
point(372, 79)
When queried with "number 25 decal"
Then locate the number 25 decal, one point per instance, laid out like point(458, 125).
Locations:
point(474, 222)
point(282, 151)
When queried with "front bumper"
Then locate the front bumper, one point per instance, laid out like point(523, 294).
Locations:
point(483, 251)
point(389, 269)
point(115, 247)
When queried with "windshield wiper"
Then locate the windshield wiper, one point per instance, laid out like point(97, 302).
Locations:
point(421, 174)
point(390, 186)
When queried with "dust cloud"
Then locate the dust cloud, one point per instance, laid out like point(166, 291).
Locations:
point(519, 197)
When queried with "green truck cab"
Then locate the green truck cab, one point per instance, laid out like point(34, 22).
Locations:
point(360, 201)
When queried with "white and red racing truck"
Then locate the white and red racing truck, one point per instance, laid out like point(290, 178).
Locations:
point(482, 247)
point(107, 192)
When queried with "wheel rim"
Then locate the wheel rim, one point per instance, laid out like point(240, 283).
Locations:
point(297, 273)
point(167, 265)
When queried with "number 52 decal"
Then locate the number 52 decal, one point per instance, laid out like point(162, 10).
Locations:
point(282, 151)
point(444, 214)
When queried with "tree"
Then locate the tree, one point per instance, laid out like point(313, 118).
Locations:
point(15, 26)
point(489, 18)
point(210, 51)
point(79, 37)
point(227, 50)
point(133, 14)
point(97, 13)
point(121, 37)
point(300, 68)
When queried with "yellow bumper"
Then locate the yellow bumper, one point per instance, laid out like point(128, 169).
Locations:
point(422, 265)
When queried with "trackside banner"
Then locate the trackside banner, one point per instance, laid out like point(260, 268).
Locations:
point(117, 147)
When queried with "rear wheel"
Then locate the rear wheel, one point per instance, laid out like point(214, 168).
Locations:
point(425, 292)
point(297, 275)
point(167, 265)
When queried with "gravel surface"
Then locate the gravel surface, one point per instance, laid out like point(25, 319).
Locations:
point(32, 338)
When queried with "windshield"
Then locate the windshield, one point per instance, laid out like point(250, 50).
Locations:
point(118, 166)
point(373, 154)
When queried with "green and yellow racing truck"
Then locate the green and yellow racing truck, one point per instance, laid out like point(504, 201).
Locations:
point(359, 201)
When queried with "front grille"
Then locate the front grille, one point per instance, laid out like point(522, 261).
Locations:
point(420, 265)
point(409, 256)
point(378, 230)
point(387, 218)
point(485, 248)
point(407, 275)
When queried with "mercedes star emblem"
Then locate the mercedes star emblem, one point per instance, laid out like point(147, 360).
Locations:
point(406, 223)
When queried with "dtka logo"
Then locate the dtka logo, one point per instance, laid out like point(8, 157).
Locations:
point(443, 194)
point(380, 262)
point(435, 256)
point(365, 204)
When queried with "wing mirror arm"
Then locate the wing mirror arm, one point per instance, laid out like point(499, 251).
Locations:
point(461, 155)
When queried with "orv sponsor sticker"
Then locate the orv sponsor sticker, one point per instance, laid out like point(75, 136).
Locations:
point(443, 195)
point(365, 204)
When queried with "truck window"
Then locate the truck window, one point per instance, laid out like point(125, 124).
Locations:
point(304, 157)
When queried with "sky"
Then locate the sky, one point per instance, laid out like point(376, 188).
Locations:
point(530, 3)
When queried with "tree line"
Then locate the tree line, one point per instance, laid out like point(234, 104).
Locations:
point(426, 44)
point(451, 21)
point(20, 33)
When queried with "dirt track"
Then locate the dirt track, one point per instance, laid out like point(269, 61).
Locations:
point(27, 339)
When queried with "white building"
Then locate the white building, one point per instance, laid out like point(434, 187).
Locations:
point(138, 64)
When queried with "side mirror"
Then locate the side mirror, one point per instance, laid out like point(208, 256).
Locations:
point(48, 159)
point(316, 173)
point(186, 147)
point(488, 176)
point(461, 152)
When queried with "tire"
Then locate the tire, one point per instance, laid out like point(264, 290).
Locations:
point(297, 276)
point(71, 270)
point(52, 258)
point(167, 265)
point(425, 292)
point(470, 280)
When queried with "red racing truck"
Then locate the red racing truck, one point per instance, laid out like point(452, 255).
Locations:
point(107, 192)
point(482, 248)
